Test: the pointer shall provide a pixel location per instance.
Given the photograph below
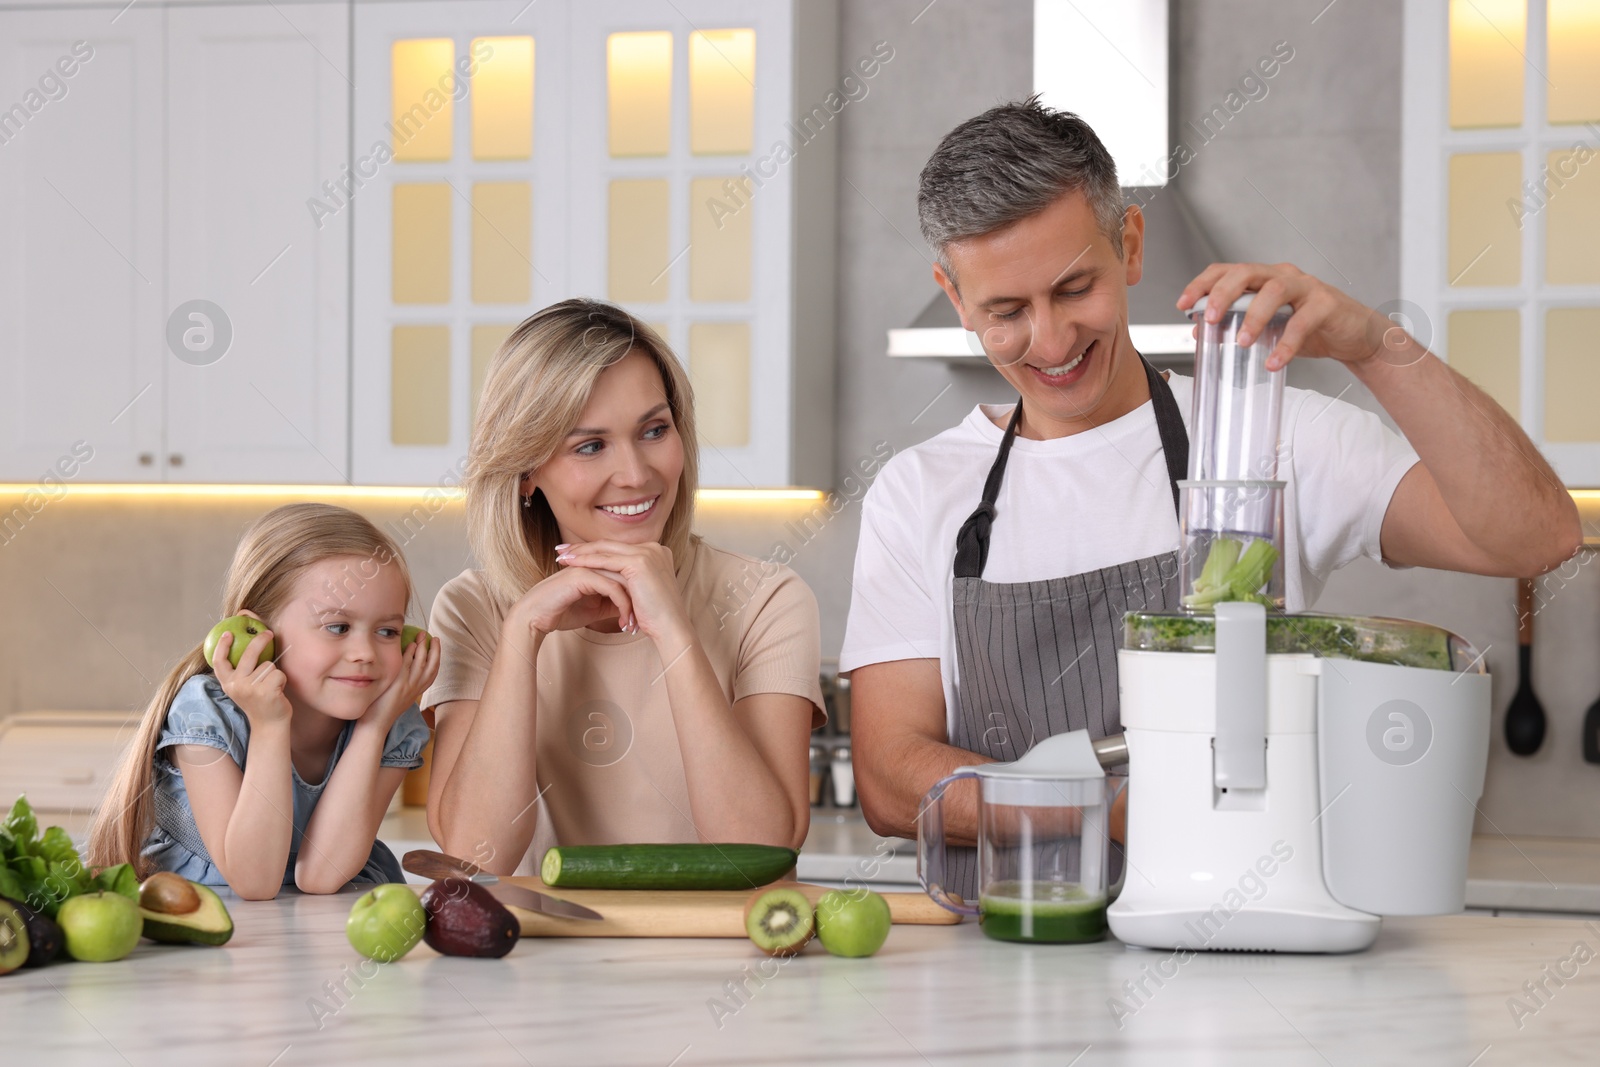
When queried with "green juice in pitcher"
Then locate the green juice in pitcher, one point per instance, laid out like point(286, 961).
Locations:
point(1041, 911)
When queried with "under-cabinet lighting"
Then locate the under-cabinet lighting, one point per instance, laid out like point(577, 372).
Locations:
point(401, 493)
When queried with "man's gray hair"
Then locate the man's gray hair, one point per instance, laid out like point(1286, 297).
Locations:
point(1009, 163)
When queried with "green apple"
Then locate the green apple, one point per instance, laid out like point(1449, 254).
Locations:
point(410, 634)
point(386, 923)
point(100, 927)
point(852, 922)
point(243, 628)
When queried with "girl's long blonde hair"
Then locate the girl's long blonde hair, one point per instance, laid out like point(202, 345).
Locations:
point(533, 395)
point(271, 556)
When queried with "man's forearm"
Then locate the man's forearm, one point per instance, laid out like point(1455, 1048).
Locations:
point(1500, 490)
point(893, 783)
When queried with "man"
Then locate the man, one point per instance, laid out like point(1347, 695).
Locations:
point(997, 558)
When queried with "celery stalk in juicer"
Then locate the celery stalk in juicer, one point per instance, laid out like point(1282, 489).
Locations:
point(1230, 574)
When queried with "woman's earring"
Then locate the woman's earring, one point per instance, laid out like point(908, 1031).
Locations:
point(527, 501)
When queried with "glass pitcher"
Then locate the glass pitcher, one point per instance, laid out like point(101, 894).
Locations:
point(1044, 838)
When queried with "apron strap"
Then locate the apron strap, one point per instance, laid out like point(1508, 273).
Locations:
point(1169, 424)
point(972, 542)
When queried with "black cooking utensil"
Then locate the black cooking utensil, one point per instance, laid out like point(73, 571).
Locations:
point(1591, 733)
point(1525, 719)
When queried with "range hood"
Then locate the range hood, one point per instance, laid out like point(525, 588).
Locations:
point(1107, 61)
point(1175, 250)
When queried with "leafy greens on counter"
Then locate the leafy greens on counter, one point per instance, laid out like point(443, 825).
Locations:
point(43, 870)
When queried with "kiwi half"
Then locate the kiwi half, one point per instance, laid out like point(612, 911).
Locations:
point(13, 938)
point(779, 921)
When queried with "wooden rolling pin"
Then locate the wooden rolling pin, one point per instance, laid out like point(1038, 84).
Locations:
point(687, 912)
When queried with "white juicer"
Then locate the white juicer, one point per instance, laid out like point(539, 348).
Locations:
point(1284, 800)
point(1292, 777)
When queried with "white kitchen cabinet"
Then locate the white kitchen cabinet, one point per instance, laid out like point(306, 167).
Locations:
point(460, 216)
point(176, 166)
point(648, 120)
point(81, 268)
point(258, 106)
point(1500, 210)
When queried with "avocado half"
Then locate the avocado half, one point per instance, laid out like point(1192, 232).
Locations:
point(209, 924)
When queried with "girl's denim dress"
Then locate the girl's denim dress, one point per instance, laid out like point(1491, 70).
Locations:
point(202, 714)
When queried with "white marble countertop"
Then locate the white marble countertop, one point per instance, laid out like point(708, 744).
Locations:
point(1525, 874)
point(1431, 991)
point(1520, 874)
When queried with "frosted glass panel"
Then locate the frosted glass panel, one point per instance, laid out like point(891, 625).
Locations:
point(502, 98)
point(1574, 90)
point(719, 368)
point(419, 389)
point(1572, 374)
point(421, 109)
point(1484, 346)
point(639, 93)
point(421, 243)
point(502, 229)
point(1485, 243)
point(485, 342)
point(1572, 227)
point(1487, 43)
point(638, 245)
point(719, 239)
point(722, 92)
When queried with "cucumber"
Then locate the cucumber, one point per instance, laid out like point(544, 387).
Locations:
point(680, 866)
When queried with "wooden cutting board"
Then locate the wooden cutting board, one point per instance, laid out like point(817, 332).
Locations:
point(686, 912)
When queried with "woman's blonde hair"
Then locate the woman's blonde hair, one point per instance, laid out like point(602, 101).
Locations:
point(270, 558)
point(533, 395)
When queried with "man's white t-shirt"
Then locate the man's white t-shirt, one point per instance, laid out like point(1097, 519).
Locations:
point(1093, 500)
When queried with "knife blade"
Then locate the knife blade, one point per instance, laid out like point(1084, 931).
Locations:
point(543, 903)
point(427, 863)
point(430, 864)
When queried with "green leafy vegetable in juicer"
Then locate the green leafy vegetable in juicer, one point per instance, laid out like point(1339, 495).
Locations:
point(1233, 571)
point(1371, 640)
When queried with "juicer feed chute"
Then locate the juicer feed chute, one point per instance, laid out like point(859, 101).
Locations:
point(1231, 505)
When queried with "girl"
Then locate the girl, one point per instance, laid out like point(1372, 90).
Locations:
point(279, 771)
point(608, 676)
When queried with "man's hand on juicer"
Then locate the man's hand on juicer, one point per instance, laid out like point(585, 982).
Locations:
point(1325, 322)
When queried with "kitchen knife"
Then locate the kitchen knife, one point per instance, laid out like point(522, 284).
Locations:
point(532, 900)
point(430, 864)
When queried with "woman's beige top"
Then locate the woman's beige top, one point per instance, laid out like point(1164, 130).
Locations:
point(608, 763)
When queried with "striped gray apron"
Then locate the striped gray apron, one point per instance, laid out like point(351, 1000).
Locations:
point(1038, 658)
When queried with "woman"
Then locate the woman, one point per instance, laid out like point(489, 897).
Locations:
point(607, 676)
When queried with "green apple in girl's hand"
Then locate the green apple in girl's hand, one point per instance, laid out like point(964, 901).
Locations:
point(386, 923)
point(244, 629)
point(100, 927)
point(410, 634)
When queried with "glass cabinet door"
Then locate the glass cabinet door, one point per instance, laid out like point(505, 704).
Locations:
point(460, 231)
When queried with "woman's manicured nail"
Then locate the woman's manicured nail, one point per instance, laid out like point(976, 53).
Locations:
point(564, 558)
point(562, 548)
